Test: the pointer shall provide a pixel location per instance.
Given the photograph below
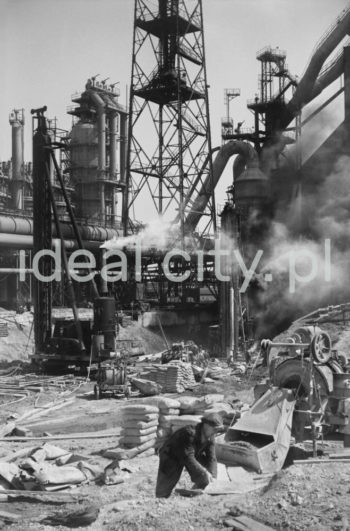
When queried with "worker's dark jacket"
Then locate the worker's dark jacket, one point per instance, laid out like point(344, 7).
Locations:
point(184, 449)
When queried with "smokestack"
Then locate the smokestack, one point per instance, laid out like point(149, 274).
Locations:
point(16, 120)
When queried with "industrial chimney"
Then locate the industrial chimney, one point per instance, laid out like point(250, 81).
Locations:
point(16, 120)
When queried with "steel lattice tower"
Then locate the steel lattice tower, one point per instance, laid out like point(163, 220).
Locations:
point(169, 151)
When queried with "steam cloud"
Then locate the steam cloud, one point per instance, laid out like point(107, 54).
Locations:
point(322, 212)
point(157, 234)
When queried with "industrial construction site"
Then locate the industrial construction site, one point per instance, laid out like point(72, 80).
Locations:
point(174, 282)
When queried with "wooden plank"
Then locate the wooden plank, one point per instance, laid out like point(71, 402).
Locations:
point(344, 455)
point(317, 461)
point(43, 494)
point(245, 523)
point(92, 435)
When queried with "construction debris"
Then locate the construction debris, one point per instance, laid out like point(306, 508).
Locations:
point(47, 468)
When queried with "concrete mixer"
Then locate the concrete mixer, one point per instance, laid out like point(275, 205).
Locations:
point(308, 389)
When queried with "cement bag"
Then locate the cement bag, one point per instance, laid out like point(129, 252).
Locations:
point(146, 453)
point(90, 470)
point(9, 471)
point(188, 402)
point(221, 408)
point(162, 402)
point(138, 409)
point(207, 400)
point(135, 431)
point(53, 452)
point(147, 387)
point(165, 421)
point(121, 453)
point(38, 455)
point(139, 424)
point(59, 475)
point(170, 411)
point(132, 441)
point(185, 420)
point(134, 417)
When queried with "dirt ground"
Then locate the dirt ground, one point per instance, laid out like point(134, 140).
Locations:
point(300, 497)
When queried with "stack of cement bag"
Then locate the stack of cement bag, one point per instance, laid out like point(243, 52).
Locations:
point(140, 424)
point(179, 377)
point(212, 403)
point(168, 410)
point(174, 377)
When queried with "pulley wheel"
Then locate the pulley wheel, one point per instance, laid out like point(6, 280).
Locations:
point(321, 347)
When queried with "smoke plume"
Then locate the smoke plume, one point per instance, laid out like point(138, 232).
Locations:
point(322, 214)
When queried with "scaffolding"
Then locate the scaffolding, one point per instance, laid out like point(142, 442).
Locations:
point(168, 156)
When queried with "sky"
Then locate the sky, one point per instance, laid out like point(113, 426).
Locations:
point(50, 48)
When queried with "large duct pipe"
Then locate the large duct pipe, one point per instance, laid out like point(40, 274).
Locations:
point(228, 150)
point(329, 73)
point(101, 123)
point(24, 225)
point(17, 123)
point(323, 49)
point(113, 131)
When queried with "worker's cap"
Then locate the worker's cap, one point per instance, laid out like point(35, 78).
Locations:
point(214, 420)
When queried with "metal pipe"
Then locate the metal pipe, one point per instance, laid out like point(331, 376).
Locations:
point(323, 49)
point(24, 225)
point(101, 123)
point(232, 346)
point(327, 76)
point(227, 150)
point(113, 131)
point(25, 241)
point(113, 126)
point(123, 124)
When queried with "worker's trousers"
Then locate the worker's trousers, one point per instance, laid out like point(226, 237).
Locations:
point(169, 473)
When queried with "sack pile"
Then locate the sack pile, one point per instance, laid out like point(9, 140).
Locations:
point(199, 405)
point(168, 407)
point(139, 428)
point(179, 377)
point(174, 377)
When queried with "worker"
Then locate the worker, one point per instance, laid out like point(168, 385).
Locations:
point(193, 448)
